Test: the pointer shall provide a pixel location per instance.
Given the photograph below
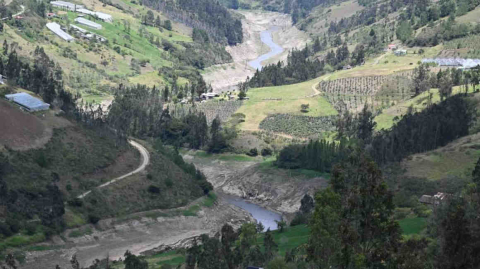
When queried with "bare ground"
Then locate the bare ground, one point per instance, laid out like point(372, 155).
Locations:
point(279, 190)
point(23, 130)
point(139, 234)
point(225, 77)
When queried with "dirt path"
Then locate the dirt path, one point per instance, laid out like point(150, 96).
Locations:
point(145, 162)
point(14, 15)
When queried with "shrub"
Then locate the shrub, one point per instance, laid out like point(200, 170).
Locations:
point(5, 229)
point(153, 189)
point(168, 182)
point(267, 152)
point(253, 152)
point(31, 228)
point(76, 202)
point(93, 219)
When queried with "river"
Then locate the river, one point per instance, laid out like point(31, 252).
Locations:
point(275, 49)
point(266, 217)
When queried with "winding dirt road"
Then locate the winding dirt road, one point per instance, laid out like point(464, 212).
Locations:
point(145, 162)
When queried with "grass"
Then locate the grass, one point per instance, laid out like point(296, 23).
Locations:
point(411, 226)
point(386, 119)
point(291, 237)
point(80, 232)
point(293, 96)
point(456, 159)
point(226, 157)
point(21, 240)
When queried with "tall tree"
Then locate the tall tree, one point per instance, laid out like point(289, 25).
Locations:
point(271, 247)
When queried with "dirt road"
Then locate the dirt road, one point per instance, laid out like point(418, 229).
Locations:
point(14, 15)
point(145, 162)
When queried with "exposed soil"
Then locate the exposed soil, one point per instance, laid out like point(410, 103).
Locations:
point(141, 233)
point(279, 190)
point(22, 130)
point(225, 77)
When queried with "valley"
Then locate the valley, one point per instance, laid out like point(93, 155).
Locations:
point(203, 134)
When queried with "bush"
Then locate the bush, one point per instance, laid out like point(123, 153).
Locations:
point(153, 189)
point(267, 152)
point(93, 219)
point(31, 228)
point(168, 182)
point(253, 152)
point(299, 219)
point(5, 229)
point(76, 202)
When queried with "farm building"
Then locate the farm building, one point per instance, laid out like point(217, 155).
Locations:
point(27, 101)
point(104, 16)
point(1, 80)
point(454, 62)
point(392, 47)
point(88, 23)
point(66, 5)
point(81, 30)
point(51, 15)
point(55, 27)
point(400, 52)
point(435, 199)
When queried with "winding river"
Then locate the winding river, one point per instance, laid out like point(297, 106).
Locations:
point(275, 49)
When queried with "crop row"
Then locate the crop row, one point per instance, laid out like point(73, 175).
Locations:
point(358, 85)
point(212, 109)
point(299, 126)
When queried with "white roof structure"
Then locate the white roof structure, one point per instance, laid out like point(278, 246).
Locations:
point(458, 62)
point(104, 16)
point(88, 23)
point(66, 5)
point(27, 101)
point(85, 11)
point(55, 27)
point(81, 30)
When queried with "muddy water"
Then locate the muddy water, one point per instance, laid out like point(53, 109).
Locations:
point(275, 49)
point(266, 217)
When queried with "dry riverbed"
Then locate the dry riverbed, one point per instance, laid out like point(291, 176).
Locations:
point(225, 77)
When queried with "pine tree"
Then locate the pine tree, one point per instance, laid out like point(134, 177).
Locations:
point(271, 247)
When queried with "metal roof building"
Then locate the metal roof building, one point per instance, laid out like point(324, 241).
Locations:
point(81, 30)
point(66, 5)
point(88, 23)
point(27, 101)
point(55, 27)
point(454, 62)
point(104, 16)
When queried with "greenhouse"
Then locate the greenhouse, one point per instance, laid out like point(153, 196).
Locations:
point(454, 62)
point(66, 5)
point(88, 23)
point(27, 101)
point(55, 27)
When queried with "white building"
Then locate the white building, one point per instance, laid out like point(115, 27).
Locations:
point(104, 16)
point(66, 5)
point(81, 30)
point(27, 101)
point(55, 27)
point(88, 23)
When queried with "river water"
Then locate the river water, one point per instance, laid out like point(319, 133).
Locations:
point(265, 216)
point(275, 49)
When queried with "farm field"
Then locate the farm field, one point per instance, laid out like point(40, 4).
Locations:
point(412, 226)
point(386, 119)
point(292, 97)
point(456, 159)
point(388, 64)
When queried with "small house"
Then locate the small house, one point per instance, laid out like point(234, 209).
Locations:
point(347, 67)
point(2, 79)
point(400, 52)
point(27, 101)
point(392, 47)
point(51, 15)
point(435, 199)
